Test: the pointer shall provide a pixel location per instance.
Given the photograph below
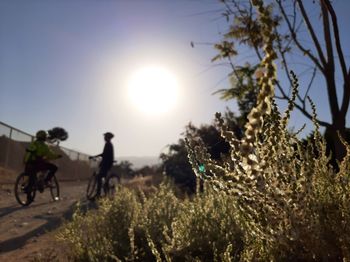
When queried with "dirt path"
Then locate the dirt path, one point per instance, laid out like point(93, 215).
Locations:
point(28, 232)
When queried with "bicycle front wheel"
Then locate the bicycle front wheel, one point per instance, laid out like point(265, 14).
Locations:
point(91, 191)
point(24, 195)
point(55, 189)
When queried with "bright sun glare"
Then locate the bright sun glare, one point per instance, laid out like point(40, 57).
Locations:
point(153, 90)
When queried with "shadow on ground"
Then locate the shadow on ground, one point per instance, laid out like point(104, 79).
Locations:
point(4, 211)
point(52, 223)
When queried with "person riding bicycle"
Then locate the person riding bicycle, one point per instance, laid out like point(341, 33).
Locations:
point(37, 159)
point(106, 162)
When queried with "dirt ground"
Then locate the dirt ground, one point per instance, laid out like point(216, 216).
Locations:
point(28, 233)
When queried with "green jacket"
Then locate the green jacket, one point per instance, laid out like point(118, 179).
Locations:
point(39, 150)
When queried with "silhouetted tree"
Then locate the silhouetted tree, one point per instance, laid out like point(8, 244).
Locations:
point(57, 134)
point(153, 170)
point(175, 163)
point(123, 169)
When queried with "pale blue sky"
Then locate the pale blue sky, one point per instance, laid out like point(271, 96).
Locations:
point(65, 63)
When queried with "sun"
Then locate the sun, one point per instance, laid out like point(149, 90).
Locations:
point(153, 90)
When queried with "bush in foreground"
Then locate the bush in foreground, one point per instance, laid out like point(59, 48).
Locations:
point(157, 227)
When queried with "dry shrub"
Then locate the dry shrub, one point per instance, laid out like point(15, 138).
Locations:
point(157, 227)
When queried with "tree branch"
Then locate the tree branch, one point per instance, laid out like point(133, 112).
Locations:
point(285, 64)
point(310, 84)
point(296, 41)
point(336, 36)
point(311, 31)
point(346, 75)
point(327, 39)
point(329, 66)
point(300, 108)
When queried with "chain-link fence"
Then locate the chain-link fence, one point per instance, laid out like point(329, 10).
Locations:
point(13, 143)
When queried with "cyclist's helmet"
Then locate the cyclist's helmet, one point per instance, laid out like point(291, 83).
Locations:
point(41, 135)
point(108, 135)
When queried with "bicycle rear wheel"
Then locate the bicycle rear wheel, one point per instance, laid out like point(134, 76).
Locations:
point(91, 190)
point(23, 194)
point(55, 189)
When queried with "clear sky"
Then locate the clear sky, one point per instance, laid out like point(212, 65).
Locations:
point(68, 63)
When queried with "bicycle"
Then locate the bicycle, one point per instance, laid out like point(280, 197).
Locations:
point(25, 197)
point(109, 184)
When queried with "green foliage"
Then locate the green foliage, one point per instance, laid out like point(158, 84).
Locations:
point(244, 88)
point(226, 50)
point(175, 162)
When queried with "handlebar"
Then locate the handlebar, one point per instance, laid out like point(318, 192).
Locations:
point(95, 158)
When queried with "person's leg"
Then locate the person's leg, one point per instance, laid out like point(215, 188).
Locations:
point(30, 170)
point(105, 185)
point(102, 173)
point(52, 170)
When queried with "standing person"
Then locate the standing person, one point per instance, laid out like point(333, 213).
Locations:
point(37, 158)
point(107, 160)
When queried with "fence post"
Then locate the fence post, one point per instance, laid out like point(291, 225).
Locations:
point(8, 149)
point(77, 167)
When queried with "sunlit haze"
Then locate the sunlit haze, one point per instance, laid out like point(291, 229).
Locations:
point(153, 90)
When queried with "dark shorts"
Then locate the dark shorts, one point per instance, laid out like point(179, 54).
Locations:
point(36, 166)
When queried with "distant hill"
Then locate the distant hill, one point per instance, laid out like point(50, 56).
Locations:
point(140, 161)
